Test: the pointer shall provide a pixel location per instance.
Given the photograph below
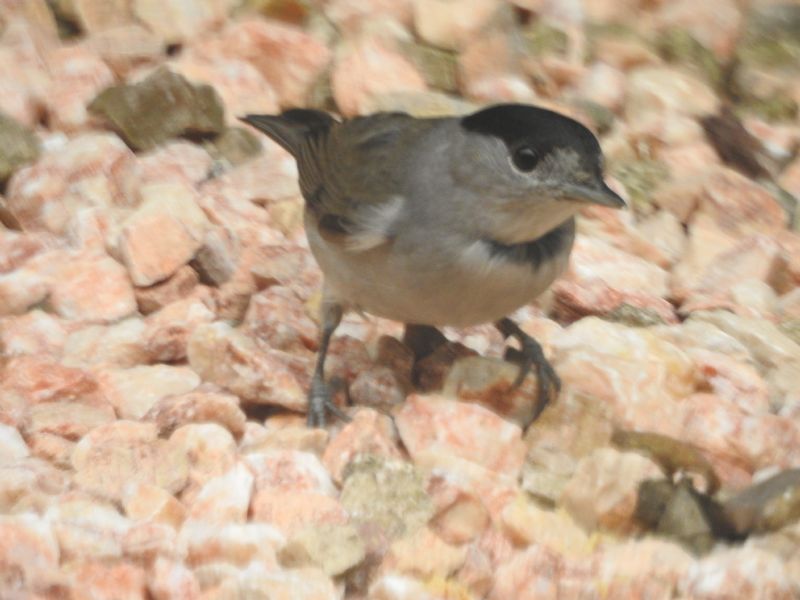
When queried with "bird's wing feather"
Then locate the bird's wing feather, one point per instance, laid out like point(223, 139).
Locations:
point(356, 190)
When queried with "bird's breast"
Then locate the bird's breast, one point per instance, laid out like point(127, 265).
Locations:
point(442, 281)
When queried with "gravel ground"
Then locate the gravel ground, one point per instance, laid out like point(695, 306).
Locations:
point(158, 312)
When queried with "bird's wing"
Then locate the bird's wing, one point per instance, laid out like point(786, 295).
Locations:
point(356, 191)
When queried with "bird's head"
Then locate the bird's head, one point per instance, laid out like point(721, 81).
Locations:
point(537, 168)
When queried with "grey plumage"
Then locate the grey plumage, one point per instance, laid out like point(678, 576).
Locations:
point(449, 221)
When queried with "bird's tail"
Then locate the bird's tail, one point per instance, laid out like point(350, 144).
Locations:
point(291, 127)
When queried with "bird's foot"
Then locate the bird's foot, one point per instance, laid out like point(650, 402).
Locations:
point(530, 356)
point(320, 402)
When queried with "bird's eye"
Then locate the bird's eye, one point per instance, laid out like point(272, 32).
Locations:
point(525, 158)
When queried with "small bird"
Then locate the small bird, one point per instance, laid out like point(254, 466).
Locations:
point(440, 221)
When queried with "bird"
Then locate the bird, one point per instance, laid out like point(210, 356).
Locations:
point(440, 221)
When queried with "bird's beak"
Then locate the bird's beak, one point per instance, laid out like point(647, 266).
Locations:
point(604, 195)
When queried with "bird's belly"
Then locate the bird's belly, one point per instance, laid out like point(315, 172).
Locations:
point(463, 290)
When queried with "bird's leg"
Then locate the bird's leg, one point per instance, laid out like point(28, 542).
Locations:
point(320, 396)
point(531, 355)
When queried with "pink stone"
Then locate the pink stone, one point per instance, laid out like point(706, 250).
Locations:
point(124, 47)
point(347, 358)
point(732, 380)
point(118, 454)
point(171, 580)
point(380, 388)
point(198, 406)
point(177, 162)
point(352, 15)
point(368, 433)
point(604, 84)
point(154, 245)
point(526, 523)
point(753, 258)
point(234, 543)
point(576, 299)
point(12, 446)
point(41, 379)
point(790, 178)
point(594, 259)
point(242, 87)
point(29, 550)
point(81, 76)
point(51, 448)
point(167, 332)
point(224, 498)
point(149, 503)
point(118, 345)
point(460, 514)
point(431, 425)
point(211, 451)
point(85, 171)
point(145, 541)
point(30, 484)
point(176, 21)
point(71, 420)
point(603, 491)
point(291, 510)
point(87, 528)
point(288, 432)
point(648, 567)
point(423, 554)
point(369, 67)
point(490, 70)
point(17, 247)
point(177, 286)
point(20, 290)
point(134, 391)
point(121, 581)
point(435, 23)
point(97, 16)
point(738, 572)
point(533, 573)
point(227, 357)
point(92, 288)
point(288, 58)
point(635, 373)
point(289, 470)
point(696, 20)
point(654, 91)
point(276, 317)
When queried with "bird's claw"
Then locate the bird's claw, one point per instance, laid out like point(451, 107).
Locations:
point(320, 403)
point(531, 355)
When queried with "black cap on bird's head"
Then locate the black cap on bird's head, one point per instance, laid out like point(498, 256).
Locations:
point(558, 152)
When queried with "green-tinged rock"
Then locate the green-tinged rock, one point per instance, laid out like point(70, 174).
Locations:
point(766, 506)
point(672, 455)
point(235, 146)
point(678, 46)
point(772, 37)
point(162, 106)
point(540, 39)
point(421, 104)
point(321, 94)
point(792, 329)
point(333, 548)
point(768, 62)
point(602, 118)
point(18, 146)
point(634, 316)
point(387, 494)
point(438, 67)
point(641, 178)
point(291, 11)
point(651, 501)
point(685, 519)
